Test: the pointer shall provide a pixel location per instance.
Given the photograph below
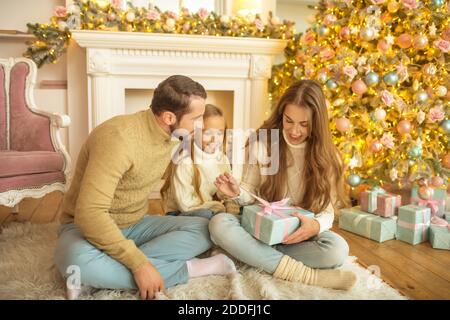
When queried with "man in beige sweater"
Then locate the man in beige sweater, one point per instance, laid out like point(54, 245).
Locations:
point(106, 240)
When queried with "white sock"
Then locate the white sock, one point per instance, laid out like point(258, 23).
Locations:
point(218, 264)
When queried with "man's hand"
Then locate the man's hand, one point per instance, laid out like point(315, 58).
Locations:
point(309, 228)
point(148, 280)
point(228, 185)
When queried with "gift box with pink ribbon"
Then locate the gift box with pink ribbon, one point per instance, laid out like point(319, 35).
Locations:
point(388, 204)
point(436, 202)
point(413, 223)
point(447, 216)
point(271, 222)
point(369, 198)
point(367, 224)
point(440, 233)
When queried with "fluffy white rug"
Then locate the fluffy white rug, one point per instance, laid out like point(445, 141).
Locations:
point(27, 272)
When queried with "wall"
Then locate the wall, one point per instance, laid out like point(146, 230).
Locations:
point(295, 10)
point(15, 15)
point(140, 99)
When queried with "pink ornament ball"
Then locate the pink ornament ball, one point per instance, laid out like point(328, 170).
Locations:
point(343, 124)
point(404, 127)
point(437, 181)
point(376, 146)
point(383, 45)
point(359, 87)
point(345, 33)
point(404, 41)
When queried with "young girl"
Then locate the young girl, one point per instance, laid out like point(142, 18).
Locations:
point(311, 175)
point(189, 186)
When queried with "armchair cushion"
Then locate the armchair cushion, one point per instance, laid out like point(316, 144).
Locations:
point(29, 130)
point(30, 181)
point(15, 163)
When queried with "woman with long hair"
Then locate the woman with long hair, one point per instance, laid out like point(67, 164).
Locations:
point(310, 173)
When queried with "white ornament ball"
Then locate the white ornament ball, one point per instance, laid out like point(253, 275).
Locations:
point(130, 16)
point(380, 114)
point(441, 91)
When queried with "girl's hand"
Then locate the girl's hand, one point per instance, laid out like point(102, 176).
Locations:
point(309, 228)
point(228, 185)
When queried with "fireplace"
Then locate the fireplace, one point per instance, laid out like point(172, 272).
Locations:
point(113, 69)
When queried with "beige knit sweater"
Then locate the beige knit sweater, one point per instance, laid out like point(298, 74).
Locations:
point(117, 166)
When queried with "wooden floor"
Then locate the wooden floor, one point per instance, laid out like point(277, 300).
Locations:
point(418, 272)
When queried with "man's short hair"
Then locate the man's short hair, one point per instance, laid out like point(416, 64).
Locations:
point(174, 95)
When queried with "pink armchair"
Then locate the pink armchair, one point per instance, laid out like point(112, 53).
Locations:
point(33, 161)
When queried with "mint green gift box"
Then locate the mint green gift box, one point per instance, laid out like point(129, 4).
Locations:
point(440, 237)
point(439, 195)
point(413, 223)
point(272, 227)
point(367, 225)
point(447, 216)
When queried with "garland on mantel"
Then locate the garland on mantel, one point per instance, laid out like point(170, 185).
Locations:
point(52, 39)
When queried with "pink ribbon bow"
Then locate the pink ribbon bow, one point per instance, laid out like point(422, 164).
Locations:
point(269, 208)
point(439, 222)
point(432, 204)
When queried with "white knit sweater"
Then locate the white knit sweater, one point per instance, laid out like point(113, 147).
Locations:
point(182, 195)
point(252, 179)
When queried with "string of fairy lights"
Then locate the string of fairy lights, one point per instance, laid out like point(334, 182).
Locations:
point(52, 39)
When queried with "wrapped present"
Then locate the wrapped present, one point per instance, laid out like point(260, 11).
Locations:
point(436, 203)
point(388, 204)
point(369, 199)
point(439, 233)
point(367, 225)
point(413, 223)
point(447, 202)
point(272, 222)
point(447, 216)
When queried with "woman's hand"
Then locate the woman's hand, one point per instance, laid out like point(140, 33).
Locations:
point(309, 228)
point(149, 281)
point(228, 185)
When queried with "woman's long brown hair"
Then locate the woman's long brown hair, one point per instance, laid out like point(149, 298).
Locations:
point(210, 111)
point(323, 166)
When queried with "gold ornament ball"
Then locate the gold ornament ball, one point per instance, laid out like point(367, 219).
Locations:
point(420, 42)
point(446, 161)
point(393, 6)
point(425, 192)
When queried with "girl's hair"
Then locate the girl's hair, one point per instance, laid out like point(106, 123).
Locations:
point(210, 111)
point(323, 166)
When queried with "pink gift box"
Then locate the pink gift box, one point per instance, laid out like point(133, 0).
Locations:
point(388, 204)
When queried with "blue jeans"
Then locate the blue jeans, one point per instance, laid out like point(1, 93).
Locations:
point(324, 251)
point(204, 213)
point(168, 242)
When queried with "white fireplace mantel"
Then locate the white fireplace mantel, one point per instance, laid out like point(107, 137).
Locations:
point(116, 61)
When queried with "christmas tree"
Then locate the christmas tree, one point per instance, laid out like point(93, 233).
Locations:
point(384, 68)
